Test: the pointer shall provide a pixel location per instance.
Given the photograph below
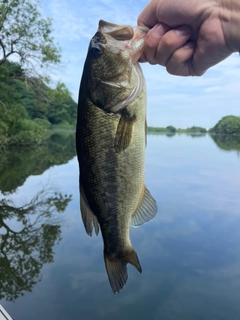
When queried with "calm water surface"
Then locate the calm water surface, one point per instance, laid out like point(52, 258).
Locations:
point(190, 253)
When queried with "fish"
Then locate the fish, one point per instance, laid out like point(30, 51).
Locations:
point(110, 141)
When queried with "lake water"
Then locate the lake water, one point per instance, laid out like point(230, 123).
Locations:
point(190, 253)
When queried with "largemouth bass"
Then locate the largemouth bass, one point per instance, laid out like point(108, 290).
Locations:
point(111, 139)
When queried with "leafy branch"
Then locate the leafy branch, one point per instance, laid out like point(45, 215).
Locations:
point(23, 32)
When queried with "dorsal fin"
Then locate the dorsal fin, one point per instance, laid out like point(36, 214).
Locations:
point(146, 210)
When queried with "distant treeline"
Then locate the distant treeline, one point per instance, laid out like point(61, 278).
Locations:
point(28, 106)
point(227, 125)
point(171, 129)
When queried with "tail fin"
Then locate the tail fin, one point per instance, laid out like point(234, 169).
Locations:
point(117, 270)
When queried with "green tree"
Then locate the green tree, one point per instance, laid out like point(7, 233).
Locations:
point(227, 125)
point(62, 108)
point(197, 130)
point(22, 101)
point(15, 124)
point(23, 32)
point(171, 129)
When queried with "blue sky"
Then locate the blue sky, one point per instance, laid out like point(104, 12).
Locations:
point(178, 101)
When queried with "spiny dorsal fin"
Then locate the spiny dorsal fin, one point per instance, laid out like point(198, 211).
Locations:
point(146, 210)
point(117, 269)
point(89, 219)
point(124, 131)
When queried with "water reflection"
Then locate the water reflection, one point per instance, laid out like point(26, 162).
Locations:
point(197, 135)
point(175, 134)
point(227, 142)
point(17, 164)
point(190, 253)
point(27, 236)
point(170, 135)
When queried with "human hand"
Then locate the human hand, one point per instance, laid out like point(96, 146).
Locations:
point(190, 36)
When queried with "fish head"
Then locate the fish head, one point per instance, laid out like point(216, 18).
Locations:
point(114, 75)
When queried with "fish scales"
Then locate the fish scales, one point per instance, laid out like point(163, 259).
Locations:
point(111, 152)
point(113, 181)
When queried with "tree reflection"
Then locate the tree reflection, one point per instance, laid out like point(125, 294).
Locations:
point(17, 164)
point(170, 135)
point(197, 135)
point(27, 236)
point(227, 142)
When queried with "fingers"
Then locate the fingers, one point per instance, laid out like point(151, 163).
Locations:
point(152, 42)
point(180, 63)
point(170, 48)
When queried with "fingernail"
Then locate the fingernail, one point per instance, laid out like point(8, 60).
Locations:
point(183, 31)
point(159, 31)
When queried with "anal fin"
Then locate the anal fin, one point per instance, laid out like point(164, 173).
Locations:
point(146, 210)
point(90, 221)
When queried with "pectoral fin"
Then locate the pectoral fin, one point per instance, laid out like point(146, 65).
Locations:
point(146, 210)
point(90, 221)
point(124, 131)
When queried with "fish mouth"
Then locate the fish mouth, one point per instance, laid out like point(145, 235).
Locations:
point(133, 37)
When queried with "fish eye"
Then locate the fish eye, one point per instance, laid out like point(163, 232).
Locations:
point(96, 51)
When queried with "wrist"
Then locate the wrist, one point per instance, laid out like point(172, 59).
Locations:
point(230, 17)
